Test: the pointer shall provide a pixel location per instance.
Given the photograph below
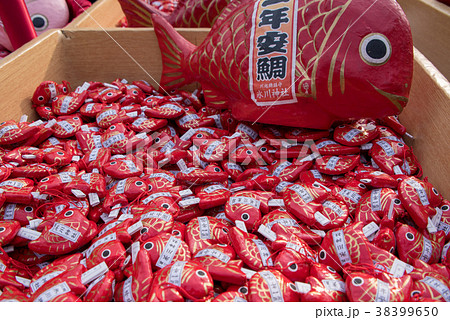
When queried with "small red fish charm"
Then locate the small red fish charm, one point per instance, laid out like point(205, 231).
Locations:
point(362, 287)
point(182, 280)
point(271, 286)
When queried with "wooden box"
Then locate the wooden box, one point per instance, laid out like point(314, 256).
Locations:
point(84, 55)
point(430, 26)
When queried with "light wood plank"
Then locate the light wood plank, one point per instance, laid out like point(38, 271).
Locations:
point(427, 118)
point(430, 26)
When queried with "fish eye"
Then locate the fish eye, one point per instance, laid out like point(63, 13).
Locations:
point(225, 230)
point(293, 267)
point(263, 149)
point(322, 254)
point(201, 273)
point(445, 208)
point(40, 22)
point(138, 183)
point(216, 169)
point(435, 191)
point(2, 229)
point(148, 245)
point(75, 118)
point(112, 127)
point(413, 293)
point(109, 94)
point(113, 163)
point(106, 253)
point(249, 152)
point(199, 135)
point(331, 269)
point(400, 144)
point(157, 140)
point(165, 205)
point(45, 180)
point(41, 98)
point(375, 49)
point(59, 153)
point(292, 286)
point(176, 232)
point(245, 216)
point(243, 290)
point(357, 281)
point(28, 209)
point(144, 230)
point(409, 236)
point(397, 201)
point(68, 213)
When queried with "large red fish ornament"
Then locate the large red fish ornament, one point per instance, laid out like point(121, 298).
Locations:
point(317, 61)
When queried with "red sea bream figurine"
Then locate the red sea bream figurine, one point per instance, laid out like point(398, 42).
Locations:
point(317, 61)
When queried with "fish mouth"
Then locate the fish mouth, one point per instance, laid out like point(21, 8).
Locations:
point(397, 100)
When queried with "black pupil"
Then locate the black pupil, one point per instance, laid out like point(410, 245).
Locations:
point(409, 235)
point(243, 290)
point(38, 22)
point(148, 246)
point(322, 255)
point(358, 281)
point(106, 253)
point(245, 216)
point(293, 266)
point(376, 49)
point(201, 273)
point(165, 206)
point(2, 229)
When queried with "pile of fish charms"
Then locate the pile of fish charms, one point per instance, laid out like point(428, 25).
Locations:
point(121, 193)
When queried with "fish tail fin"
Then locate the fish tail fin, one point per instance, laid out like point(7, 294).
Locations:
point(175, 51)
point(138, 13)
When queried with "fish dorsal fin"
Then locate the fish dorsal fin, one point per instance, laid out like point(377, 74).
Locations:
point(233, 5)
point(196, 14)
point(138, 13)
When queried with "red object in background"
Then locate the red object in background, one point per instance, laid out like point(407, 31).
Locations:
point(17, 22)
point(77, 7)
